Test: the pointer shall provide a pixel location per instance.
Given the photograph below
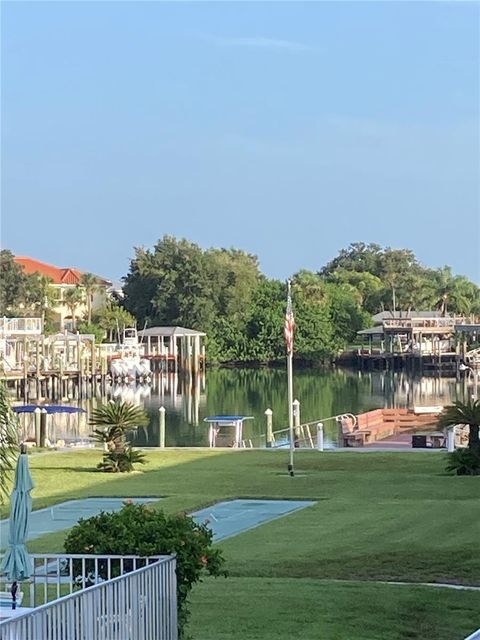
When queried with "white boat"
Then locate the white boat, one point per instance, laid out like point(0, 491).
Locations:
point(129, 364)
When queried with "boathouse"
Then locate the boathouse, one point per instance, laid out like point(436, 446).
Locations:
point(183, 348)
point(424, 338)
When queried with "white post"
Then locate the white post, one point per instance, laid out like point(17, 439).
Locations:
point(269, 436)
point(451, 439)
point(296, 422)
point(162, 427)
point(320, 436)
point(37, 413)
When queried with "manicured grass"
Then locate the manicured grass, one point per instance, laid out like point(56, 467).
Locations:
point(277, 609)
point(379, 516)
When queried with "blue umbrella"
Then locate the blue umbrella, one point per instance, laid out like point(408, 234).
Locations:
point(17, 564)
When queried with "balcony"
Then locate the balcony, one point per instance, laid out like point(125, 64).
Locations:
point(20, 327)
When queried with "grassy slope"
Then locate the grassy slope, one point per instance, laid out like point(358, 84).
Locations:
point(378, 516)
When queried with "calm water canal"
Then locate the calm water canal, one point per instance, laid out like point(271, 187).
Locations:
point(322, 393)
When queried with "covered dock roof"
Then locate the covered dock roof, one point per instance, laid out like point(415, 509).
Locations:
point(169, 332)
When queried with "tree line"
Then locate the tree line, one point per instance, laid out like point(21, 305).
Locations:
point(223, 293)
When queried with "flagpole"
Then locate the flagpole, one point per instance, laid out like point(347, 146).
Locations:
point(290, 410)
point(289, 332)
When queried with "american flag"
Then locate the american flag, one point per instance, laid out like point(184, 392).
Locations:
point(289, 323)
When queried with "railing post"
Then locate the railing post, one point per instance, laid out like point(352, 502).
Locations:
point(320, 436)
point(162, 427)
point(269, 436)
point(451, 439)
point(296, 423)
point(43, 428)
point(37, 418)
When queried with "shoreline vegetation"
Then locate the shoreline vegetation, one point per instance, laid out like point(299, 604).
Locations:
point(223, 293)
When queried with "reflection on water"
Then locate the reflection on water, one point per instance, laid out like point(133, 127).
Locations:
point(322, 393)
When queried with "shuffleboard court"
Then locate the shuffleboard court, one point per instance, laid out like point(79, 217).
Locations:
point(227, 519)
point(66, 514)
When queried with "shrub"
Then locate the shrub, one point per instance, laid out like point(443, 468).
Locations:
point(464, 462)
point(112, 420)
point(121, 461)
point(140, 530)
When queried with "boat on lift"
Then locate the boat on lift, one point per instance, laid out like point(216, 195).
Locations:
point(129, 363)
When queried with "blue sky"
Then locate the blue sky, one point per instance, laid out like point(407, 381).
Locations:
point(286, 129)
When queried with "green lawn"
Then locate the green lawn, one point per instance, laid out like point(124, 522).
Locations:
point(379, 516)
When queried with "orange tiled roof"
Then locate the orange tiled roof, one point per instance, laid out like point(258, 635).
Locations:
point(68, 275)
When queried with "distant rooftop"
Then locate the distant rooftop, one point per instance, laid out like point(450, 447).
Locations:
point(167, 332)
point(396, 315)
point(58, 275)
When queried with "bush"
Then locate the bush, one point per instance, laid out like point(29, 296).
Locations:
point(121, 461)
point(141, 530)
point(464, 462)
point(112, 421)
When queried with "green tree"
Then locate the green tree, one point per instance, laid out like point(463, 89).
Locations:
point(264, 326)
point(40, 297)
point(113, 319)
point(456, 294)
point(357, 257)
point(90, 284)
point(8, 441)
point(73, 299)
point(170, 286)
point(12, 284)
point(369, 287)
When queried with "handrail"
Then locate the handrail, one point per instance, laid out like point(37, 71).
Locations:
point(314, 423)
point(303, 431)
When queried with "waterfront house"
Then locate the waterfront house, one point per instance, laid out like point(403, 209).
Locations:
point(63, 279)
point(414, 332)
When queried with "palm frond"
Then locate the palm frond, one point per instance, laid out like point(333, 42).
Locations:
point(8, 441)
point(461, 413)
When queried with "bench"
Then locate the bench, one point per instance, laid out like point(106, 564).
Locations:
point(356, 438)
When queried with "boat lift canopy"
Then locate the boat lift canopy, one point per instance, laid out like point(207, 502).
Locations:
point(50, 408)
point(221, 435)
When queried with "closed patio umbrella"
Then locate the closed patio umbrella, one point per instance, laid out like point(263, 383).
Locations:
point(17, 564)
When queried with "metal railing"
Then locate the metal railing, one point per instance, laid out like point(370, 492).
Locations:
point(424, 323)
point(20, 326)
point(56, 575)
point(138, 605)
point(305, 435)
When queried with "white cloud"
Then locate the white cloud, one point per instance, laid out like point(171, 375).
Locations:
point(273, 44)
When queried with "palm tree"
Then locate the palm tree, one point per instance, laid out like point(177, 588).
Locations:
point(45, 296)
point(112, 421)
point(90, 284)
point(73, 299)
point(113, 318)
point(464, 413)
point(8, 441)
point(454, 292)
